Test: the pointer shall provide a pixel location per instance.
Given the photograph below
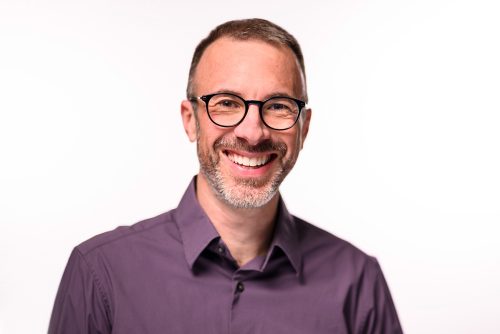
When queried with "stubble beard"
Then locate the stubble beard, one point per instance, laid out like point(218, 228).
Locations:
point(243, 192)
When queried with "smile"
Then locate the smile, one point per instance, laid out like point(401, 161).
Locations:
point(254, 161)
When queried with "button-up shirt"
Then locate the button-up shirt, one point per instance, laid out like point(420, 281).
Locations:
point(174, 274)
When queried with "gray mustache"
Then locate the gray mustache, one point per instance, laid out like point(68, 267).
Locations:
point(242, 145)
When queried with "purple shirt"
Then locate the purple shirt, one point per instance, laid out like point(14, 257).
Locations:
point(173, 274)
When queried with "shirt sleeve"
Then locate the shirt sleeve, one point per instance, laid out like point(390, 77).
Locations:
point(378, 313)
point(80, 307)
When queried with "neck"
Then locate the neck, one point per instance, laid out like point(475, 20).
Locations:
point(246, 232)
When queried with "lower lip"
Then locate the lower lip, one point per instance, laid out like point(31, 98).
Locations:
point(244, 171)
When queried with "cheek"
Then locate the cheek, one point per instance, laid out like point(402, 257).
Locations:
point(207, 137)
point(292, 142)
point(203, 131)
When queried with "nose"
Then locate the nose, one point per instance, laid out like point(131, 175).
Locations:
point(251, 128)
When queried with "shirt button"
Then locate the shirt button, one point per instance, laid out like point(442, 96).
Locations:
point(240, 287)
point(220, 249)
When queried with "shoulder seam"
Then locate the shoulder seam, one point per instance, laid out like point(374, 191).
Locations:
point(97, 283)
point(129, 233)
point(371, 309)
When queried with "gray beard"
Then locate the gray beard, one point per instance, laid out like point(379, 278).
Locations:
point(248, 193)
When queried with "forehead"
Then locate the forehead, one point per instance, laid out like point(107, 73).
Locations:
point(252, 67)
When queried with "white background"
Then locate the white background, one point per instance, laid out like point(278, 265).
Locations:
point(402, 159)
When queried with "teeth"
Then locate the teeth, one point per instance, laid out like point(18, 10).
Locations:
point(249, 162)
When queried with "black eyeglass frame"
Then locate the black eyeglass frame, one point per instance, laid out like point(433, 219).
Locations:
point(206, 98)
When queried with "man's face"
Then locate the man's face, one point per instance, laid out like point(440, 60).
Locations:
point(244, 165)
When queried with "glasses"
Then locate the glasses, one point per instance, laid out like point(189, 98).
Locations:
point(228, 110)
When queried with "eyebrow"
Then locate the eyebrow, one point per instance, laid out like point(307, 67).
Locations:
point(266, 97)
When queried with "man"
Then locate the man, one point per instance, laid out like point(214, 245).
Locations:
point(230, 258)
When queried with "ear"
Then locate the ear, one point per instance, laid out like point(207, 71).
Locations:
point(305, 126)
point(189, 119)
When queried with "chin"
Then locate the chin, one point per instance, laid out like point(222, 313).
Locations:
point(245, 193)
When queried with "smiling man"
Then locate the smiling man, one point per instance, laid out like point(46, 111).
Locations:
point(230, 258)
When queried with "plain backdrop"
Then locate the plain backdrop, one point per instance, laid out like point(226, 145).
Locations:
point(402, 158)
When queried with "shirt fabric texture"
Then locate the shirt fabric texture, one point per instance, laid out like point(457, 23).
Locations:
point(173, 274)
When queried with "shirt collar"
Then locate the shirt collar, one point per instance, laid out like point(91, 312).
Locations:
point(197, 232)
point(195, 228)
point(286, 237)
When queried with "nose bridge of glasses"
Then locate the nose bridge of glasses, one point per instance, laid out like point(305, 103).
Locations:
point(252, 127)
point(257, 103)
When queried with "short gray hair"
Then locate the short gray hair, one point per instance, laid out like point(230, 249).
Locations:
point(257, 29)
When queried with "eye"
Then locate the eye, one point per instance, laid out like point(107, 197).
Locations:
point(227, 103)
point(279, 107)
